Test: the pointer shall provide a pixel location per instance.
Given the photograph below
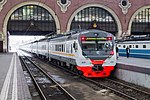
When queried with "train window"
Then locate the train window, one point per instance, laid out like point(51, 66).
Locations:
point(75, 46)
point(59, 47)
point(105, 45)
point(144, 46)
point(62, 48)
point(119, 45)
point(124, 46)
point(71, 48)
point(55, 47)
point(136, 46)
point(133, 46)
point(130, 46)
point(89, 45)
point(67, 48)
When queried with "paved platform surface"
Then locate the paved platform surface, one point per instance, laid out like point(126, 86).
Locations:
point(13, 85)
point(134, 64)
point(139, 62)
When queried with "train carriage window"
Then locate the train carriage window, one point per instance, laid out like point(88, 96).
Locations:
point(71, 48)
point(75, 46)
point(55, 47)
point(62, 48)
point(130, 46)
point(136, 46)
point(133, 46)
point(144, 46)
point(67, 48)
point(119, 45)
point(124, 46)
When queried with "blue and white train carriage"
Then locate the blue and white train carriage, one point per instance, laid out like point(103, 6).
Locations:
point(138, 49)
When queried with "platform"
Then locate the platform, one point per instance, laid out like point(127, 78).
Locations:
point(13, 85)
point(134, 70)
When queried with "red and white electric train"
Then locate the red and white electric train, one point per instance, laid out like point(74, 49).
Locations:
point(90, 52)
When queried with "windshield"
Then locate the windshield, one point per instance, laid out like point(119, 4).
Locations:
point(89, 45)
point(105, 45)
point(97, 49)
point(97, 45)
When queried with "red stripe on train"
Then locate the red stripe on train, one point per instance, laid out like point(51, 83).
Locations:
point(88, 72)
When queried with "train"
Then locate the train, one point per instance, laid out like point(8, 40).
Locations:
point(91, 53)
point(139, 47)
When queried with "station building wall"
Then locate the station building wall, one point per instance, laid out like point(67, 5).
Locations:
point(64, 13)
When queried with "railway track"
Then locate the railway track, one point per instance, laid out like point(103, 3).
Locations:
point(129, 90)
point(118, 88)
point(123, 90)
point(47, 87)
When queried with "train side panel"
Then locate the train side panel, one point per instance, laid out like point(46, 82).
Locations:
point(35, 47)
point(138, 49)
point(43, 48)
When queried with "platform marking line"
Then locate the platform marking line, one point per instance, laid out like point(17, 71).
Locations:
point(5, 89)
point(14, 90)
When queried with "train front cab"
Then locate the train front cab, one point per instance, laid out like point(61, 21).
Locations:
point(100, 53)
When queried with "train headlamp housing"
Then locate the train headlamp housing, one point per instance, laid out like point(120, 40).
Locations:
point(111, 54)
point(109, 38)
point(83, 38)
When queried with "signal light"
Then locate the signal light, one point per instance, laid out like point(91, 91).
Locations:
point(109, 38)
point(83, 38)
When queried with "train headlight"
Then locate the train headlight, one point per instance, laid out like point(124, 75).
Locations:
point(112, 53)
point(109, 38)
point(83, 38)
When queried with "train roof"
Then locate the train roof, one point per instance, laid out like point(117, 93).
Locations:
point(134, 42)
point(70, 35)
point(135, 38)
point(75, 33)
